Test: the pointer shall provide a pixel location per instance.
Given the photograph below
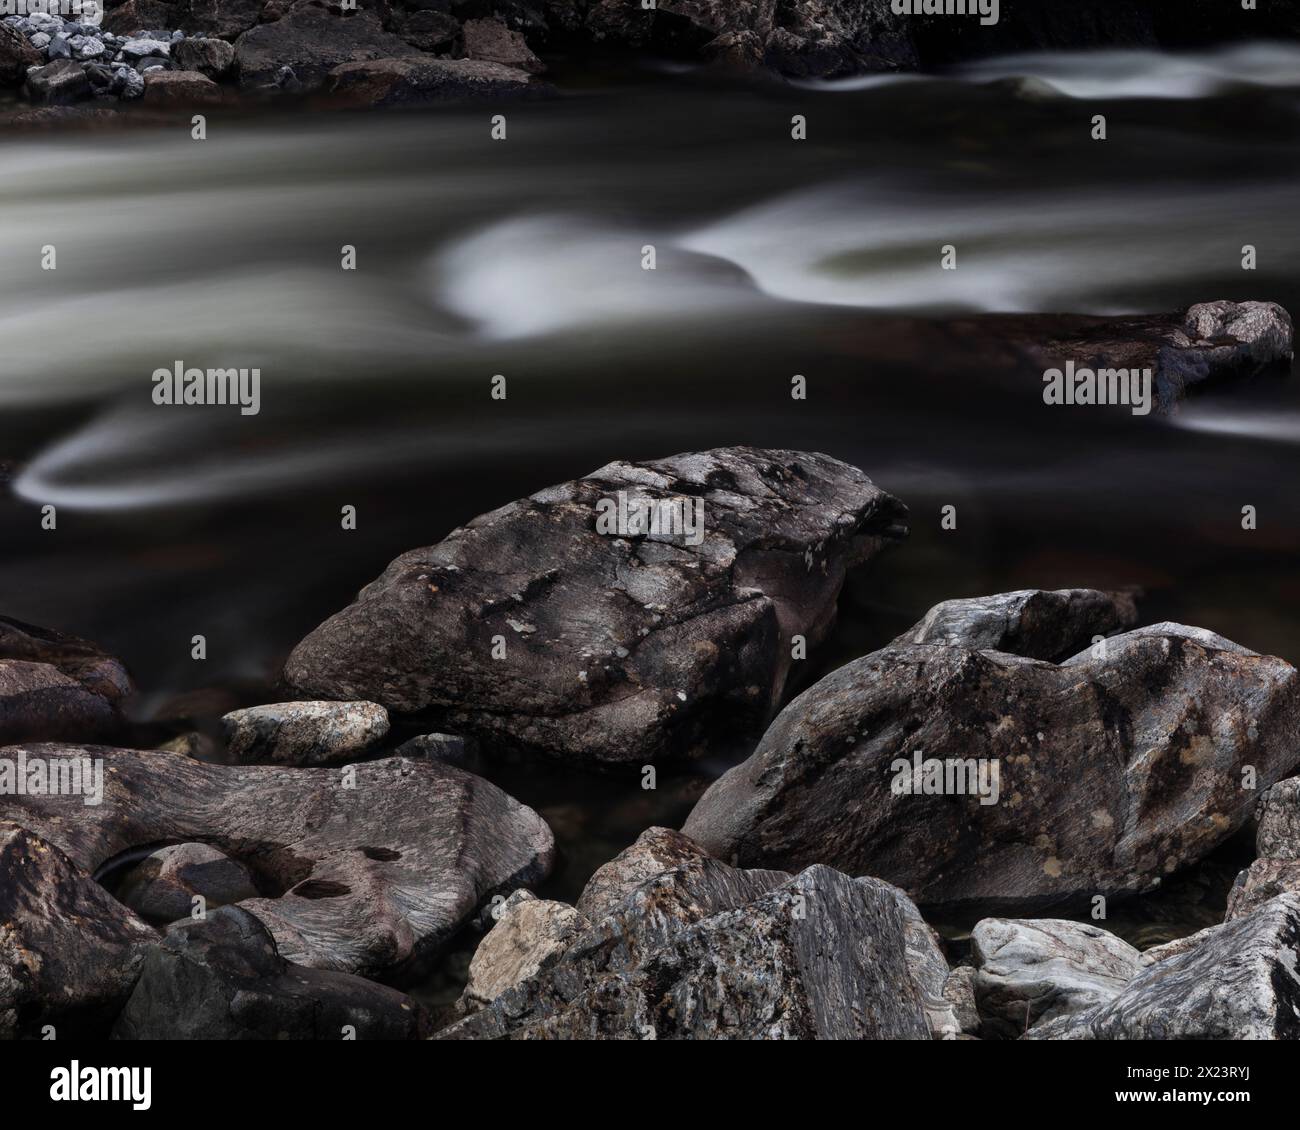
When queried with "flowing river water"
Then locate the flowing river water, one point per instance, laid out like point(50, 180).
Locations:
point(523, 257)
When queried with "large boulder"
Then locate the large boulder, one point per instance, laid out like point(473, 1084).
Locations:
point(983, 782)
point(313, 41)
point(58, 83)
point(221, 19)
point(1040, 969)
point(222, 979)
point(179, 88)
point(493, 42)
point(1237, 981)
point(69, 952)
point(559, 625)
point(1033, 622)
point(379, 863)
point(304, 733)
point(820, 956)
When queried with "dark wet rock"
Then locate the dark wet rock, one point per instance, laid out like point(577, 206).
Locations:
point(820, 956)
point(1035, 623)
point(438, 747)
point(40, 703)
point(96, 670)
point(1278, 835)
point(223, 979)
point(432, 31)
point(820, 38)
point(304, 733)
point(69, 952)
point(212, 57)
point(222, 19)
point(312, 42)
point(59, 82)
point(1263, 880)
point(141, 15)
point(179, 88)
point(163, 886)
point(16, 55)
point(528, 935)
point(611, 647)
point(380, 863)
point(1211, 342)
point(491, 41)
point(400, 82)
point(1033, 971)
point(1113, 770)
point(1237, 981)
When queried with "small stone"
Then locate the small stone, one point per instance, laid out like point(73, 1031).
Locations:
point(304, 733)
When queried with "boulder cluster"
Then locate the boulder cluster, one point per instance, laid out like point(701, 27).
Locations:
point(1007, 757)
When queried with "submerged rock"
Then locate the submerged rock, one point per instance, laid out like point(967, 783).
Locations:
point(1035, 623)
point(379, 863)
point(304, 733)
point(222, 979)
point(1032, 971)
point(984, 782)
point(163, 887)
point(69, 952)
point(532, 628)
point(1237, 981)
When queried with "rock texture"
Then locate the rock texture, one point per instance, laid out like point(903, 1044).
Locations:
point(163, 886)
point(16, 55)
point(1033, 622)
point(1038, 970)
point(222, 979)
point(681, 946)
point(312, 41)
point(821, 956)
point(399, 82)
point(87, 663)
point(69, 952)
point(617, 648)
point(1113, 770)
point(1237, 981)
point(379, 863)
point(38, 702)
point(304, 733)
point(1262, 881)
point(1278, 836)
point(529, 934)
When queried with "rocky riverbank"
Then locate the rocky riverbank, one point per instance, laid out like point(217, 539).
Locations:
point(403, 52)
point(1008, 756)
